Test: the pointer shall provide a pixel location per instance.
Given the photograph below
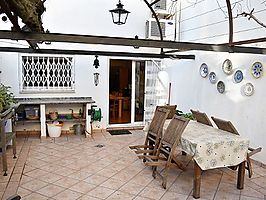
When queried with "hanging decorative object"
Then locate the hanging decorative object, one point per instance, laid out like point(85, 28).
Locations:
point(221, 87)
point(257, 69)
point(227, 67)
point(96, 77)
point(204, 70)
point(212, 77)
point(96, 63)
point(238, 76)
point(119, 14)
point(248, 89)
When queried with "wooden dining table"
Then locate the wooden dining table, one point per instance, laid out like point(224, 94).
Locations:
point(213, 148)
point(120, 100)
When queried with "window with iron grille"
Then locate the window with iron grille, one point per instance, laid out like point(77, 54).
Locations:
point(47, 74)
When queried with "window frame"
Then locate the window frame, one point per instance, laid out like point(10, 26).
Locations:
point(48, 89)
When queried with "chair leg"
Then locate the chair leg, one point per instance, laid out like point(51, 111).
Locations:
point(154, 171)
point(165, 177)
point(4, 159)
point(249, 167)
point(14, 147)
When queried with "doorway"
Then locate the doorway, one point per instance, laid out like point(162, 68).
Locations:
point(120, 91)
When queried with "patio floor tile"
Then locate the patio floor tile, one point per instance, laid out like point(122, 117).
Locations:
point(101, 192)
point(50, 190)
point(74, 167)
point(67, 195)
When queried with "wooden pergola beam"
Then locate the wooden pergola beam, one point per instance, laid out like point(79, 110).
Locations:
point(120, 41)
point(100, 53)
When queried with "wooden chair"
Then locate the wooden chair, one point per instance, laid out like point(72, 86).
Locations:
point(154, 133)
point(113, 105)
point(228, 126)
point(171, 138)
point(201, 117)
point(171, 108)
point(7, 137)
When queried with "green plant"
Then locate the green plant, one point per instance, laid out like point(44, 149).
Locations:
point(186, 115)
point(6, 97)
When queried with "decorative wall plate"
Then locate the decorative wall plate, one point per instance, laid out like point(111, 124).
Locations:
point(227, 67)
point(248, 89)
point(257, 69)
point(212, 77)
point(238, 76)
point(204, 70)
point(221, 87)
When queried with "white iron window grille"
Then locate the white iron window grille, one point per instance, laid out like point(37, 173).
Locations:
point(47, 74)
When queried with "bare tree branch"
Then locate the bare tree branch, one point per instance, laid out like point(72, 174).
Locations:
point(251, 16)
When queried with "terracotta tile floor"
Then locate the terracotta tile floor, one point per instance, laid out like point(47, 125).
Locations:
point(73, 167)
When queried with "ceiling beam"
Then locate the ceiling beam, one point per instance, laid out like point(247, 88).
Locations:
point(105, 40)
point(250, 41)
point(100, 53)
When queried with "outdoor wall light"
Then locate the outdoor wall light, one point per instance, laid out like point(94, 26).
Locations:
point(96, 78)
point(96, 63)
point(119, 14)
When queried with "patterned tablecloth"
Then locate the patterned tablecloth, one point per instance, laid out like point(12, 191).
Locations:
point(212, 148)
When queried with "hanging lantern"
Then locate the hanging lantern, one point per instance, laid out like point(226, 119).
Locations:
point(119, 14)
point(96, 78)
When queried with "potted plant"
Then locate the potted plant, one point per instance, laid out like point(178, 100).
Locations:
point(6, 98)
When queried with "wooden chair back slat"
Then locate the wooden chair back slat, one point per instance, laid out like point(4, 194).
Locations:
point(171, 108)
point(225, 125)
point(174, 130)
point(159, 117)
point(201, 117)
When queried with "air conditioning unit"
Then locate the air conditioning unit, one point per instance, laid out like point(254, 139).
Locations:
point(163, 7)
point(168, 29)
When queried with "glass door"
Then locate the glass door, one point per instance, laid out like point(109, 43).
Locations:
point(120, 81)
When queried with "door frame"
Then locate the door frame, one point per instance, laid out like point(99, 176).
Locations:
point(133, 74)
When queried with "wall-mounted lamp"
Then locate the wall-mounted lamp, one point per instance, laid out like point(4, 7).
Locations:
point(96, 77)
point(119, 14)
point(96, 63)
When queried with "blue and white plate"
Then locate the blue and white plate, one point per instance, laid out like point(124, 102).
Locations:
point(257, 69)
point(212, 77)
point(221, 87)
point(238, 76)
point(204, 70)
point(227, 67)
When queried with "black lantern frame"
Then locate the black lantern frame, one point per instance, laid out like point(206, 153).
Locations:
point(119, 14)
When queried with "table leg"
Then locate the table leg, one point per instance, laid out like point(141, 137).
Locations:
point(241, 175)
point(120, 107)
point(196, 181)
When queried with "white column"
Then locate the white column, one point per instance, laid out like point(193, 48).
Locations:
point(43, 120)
